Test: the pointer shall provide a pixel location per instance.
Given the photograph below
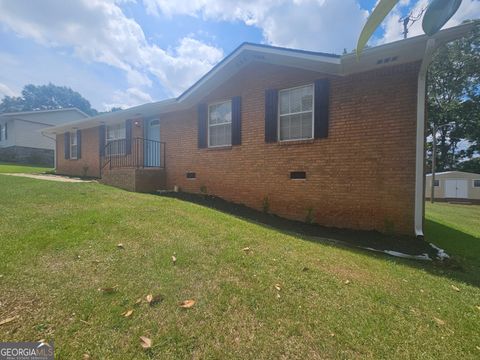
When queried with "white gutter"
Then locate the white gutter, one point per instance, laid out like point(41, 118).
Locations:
point(420, 143)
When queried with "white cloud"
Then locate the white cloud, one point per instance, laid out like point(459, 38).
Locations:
point(127, 98)
point(6, 91)
point(469, 9)
point(321, 25)
point(98, 31)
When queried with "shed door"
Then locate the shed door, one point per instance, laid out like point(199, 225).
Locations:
point(456, 188)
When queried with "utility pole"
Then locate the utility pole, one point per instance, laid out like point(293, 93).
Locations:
point(434, 158)
point(408, 21)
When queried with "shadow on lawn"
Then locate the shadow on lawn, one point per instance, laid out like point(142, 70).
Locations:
point(461, 267)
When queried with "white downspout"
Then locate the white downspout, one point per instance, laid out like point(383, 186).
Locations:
point(420, 143)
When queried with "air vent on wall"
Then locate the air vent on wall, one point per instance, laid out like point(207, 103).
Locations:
point(298, 175)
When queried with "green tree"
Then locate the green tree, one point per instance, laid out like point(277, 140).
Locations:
point(472, 165)
point(46, 97)
point(453, 98)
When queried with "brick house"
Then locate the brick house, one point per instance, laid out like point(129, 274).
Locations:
point(333, 139)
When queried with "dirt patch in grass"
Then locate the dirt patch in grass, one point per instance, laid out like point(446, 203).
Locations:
point(352, 238)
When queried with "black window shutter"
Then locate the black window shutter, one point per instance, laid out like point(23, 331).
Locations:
point(271, 114)
point(66, 145)
point(202, 126)
point(79, 144)
point(322, 94)
point(237, 120)
point(128, 137)
point(101, 140)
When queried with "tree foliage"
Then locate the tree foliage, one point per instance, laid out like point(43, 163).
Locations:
point(454, 98)
point(46, 97)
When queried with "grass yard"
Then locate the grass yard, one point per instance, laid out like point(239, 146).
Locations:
point(20, 168)
point(457, 229)
point(288, 297)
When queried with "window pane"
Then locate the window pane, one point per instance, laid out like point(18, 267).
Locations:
point(284, 128)
point(307, 125)
point(73, 151)
point(220, 135)
point(284, 103)
point(307, 101)
point(73, 138)
point(295, 100)
point(116, 131)
point(220, 113)
point(296, 111)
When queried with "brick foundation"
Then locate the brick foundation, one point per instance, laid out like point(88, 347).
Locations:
point(131, 179)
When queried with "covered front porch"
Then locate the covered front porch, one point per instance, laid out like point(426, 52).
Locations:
point(135, 164)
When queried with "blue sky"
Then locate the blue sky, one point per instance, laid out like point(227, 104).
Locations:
point(128, 52)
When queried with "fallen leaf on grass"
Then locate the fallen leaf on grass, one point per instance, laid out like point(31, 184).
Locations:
point(120, 246)
point(305, 268)
point(455, 288)
point(186, 304)
point(86, 357)
point(149, 298)
point(478, 307)
point(138, 301)
point(439, 321)
point(347, 282)
point(277, 286)
point(174, 259)
point(246, 249)
point(7, 320)
point(108, 290)
point(145, 342)
point(127, 313)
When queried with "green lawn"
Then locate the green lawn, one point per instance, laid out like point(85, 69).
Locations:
point(21, 168)
point(58, 246)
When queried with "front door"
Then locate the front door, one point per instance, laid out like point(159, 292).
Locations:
point(456, 189)
point(152, 143)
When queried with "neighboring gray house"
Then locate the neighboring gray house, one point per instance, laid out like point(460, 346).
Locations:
point(21, 138)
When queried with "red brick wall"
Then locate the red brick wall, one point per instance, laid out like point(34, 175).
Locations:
point(362, 176)
point(89, 161)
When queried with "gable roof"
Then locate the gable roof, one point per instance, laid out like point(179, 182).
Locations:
point(29, 116)
point(464, 173)
point(398, 52)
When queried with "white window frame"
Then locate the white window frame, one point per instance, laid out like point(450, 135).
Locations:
point(225, 123)
point(73, 136)
point(107, 140)
point(473, 184)
point(3, 132)
point(301, 112)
